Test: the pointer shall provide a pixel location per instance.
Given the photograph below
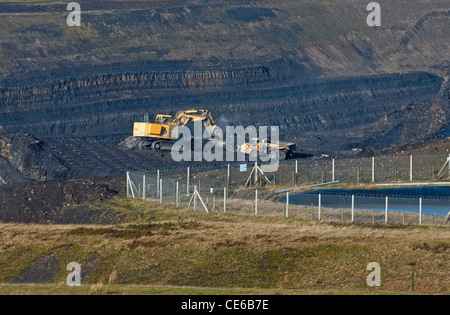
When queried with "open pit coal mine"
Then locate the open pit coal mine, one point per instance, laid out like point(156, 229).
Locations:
point(72, 128)
point(69, 96)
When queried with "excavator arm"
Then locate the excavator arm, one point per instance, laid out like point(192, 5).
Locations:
point(185, 117)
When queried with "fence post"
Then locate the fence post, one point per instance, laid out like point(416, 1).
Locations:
point(373, 170)
point(386, 210)
point(143, 187)
point(411, 168)
point(420, 211)
point(158, 176)
point(224, 199)
point(128, 184)
point(448, 159)
point(177, 195)
point(446, 218)
point(228, 177)
point(195, 198)
point(353, 208)
point(160, 190)
point(320, 207)
point(287, 205)
point(256, 202)
point(333, 173)
point(188, 177)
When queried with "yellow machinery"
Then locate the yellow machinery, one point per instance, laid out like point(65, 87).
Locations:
point(284, 150)
point(161, 134)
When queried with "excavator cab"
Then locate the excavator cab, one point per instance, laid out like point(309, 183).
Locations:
point(162, 119)
point(254, 143)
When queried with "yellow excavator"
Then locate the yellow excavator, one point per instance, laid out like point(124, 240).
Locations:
point(163, 133)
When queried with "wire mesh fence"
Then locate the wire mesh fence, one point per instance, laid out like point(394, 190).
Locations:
point(308, 171)
point(377, 169)
point(179, 192)
point(373, 209)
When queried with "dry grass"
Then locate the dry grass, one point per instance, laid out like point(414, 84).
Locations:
point(98, 289)
point(113, 277)
point(216, 250)
point(59, 289)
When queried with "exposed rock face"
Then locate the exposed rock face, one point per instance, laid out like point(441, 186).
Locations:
point(313, 68)
point(60, 201)
point(330, 36)
point(42, 270)
point(103, 108)
point(413, 123)
point(432, 120)
point(24, 158)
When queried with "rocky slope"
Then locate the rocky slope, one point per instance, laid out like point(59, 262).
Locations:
point(329, 37)
point(315, 69)
point(95, 109)
point(60, 201)
point(413, 124)
point(24, 158)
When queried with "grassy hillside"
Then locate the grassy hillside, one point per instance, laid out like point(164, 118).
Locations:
point(164, 250)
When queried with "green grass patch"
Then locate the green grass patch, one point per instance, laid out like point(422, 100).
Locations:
point(13, 261)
